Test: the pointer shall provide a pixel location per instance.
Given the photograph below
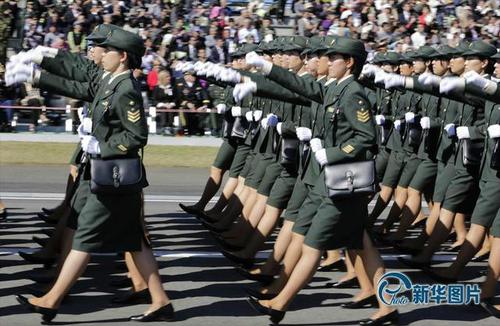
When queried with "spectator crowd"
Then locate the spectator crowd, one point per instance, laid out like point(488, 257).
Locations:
point(210, 30)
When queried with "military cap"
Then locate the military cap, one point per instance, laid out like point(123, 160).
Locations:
point(378, 58)
point(262, 47)
point(126, 41)
point(408, 57)
point(392, 58)
point(244, 49)
point(424, 52)
point(442, 51)
point(312, 44)
point(348, 46)
point(481, 49)
point(100, 32)
point(325, 43)
point(460, 49)
point(496, 56)
point(295, 43)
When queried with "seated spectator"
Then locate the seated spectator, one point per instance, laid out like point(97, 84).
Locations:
point(218, 53)
point(31, 97)
point(247, 30)
point(191, 96)
point(164, 97)
point(76, 39)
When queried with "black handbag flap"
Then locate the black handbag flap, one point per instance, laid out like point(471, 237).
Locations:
point(116, 172)
point(350, 176)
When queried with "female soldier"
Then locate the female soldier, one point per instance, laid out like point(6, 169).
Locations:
point(330, 223)
point(109, 223)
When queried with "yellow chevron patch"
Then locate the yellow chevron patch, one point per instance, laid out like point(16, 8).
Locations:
point(363, 115)
point(347, 149)
point(133, 116)
point(122, 148)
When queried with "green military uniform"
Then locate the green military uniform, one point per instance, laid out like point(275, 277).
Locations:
point(326, 223)
point(107, 223)
point(225, 154)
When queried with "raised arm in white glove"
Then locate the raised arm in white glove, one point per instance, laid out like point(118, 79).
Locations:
point(242, 90)
point(249, 116)
point(315, 144)
point(278, 127)
point(263, 123)
point(257, 115)
point(450, 129)
point(303, 133)
point(369, 70)
point(451, 83)
point(258, 61)
point(394, 80)
point(410, 117)
point(494, 131)
point(19, 73)
point(90, 145)
point(425, 123)
point(473, 78)
point(230, 75)
point(429, 79)
point(380, 76)
point(463, 133)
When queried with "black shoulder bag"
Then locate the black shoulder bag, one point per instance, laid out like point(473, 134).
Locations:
point(116, 176)
point(350, 179)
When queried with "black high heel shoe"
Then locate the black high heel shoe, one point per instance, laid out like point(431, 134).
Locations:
point(131, 296)
point(261, 296)
point(165, 313)
point(3, 214)
point(389, 319)
point(338, 265)
point(275, 315)
point(190, 210)
point(349, 284)
point(487, 304)
point(40, 241)
point(370, 301)
point(47, 219)
point(47, 313)
point(245, 262)
point(48, 211)
point(262, 278)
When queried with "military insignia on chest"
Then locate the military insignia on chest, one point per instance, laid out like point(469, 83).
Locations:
point(363, 115)
point(348, 149)
point(330, 109)
point(133, 115)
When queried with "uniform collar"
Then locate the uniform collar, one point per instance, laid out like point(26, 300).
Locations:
point(118, 75)
point(320, 78)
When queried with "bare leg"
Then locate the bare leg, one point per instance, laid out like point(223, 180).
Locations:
point(485, 248)
point(365, 282)
point(138, 281)
point(250, 202)
point(351, 272)
point(460, 229)
point(489, 285)
point(73, 268)
point(331, 257)
point(301, 275)
point(146, 264)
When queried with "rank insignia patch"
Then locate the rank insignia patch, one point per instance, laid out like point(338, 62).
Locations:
point(347, 149)
point(133, 116)
point(363, 115)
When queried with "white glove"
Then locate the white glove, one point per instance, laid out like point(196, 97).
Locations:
point(494, 131)
point(397, 124)
point(410, 117)
point(272, 120)
point(19, 73)
point(278, 128)
point(218, 74)
point(87, 125)
point(253, 59)
point(221, 108)
point(451, 83)
point(303, 133)
point(320, 156)
point(263, 123)
point(429, 79)
point(380, 76)
point(379, 120)
point(81, 132)
point(230, 75)
point(394, 80)
point(257, 115)
point(249, 116)
point(213, 70)
point(369, 70)
point(242, 90)
point(90, 145)
point(315, 144)
point(425, 123)
point(236, 111)
point(197, 66)
point(473, 78)
point(450, 129)
point(463, 133)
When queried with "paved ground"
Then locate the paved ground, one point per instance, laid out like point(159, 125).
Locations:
point(203, 285)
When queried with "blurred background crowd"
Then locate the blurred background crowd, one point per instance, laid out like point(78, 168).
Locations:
point(212, 30)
